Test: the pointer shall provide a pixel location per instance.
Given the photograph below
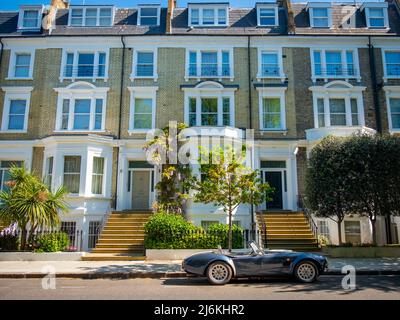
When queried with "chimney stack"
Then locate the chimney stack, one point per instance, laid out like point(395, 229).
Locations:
point(51, 16)
point(170, 14)
point(291, 27)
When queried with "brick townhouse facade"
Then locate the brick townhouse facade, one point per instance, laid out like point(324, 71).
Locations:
point(81, 86)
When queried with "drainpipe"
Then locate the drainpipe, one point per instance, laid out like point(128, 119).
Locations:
point(1, 51)
point(375, 88)
point(121, 100)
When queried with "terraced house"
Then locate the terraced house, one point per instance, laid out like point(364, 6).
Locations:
point(81, 86)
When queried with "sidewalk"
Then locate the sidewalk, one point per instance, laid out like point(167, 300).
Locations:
point(161, 269)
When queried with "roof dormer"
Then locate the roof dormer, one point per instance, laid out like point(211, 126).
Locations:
point(149, 15)
point(376, 14)
point(208, 14)
point(320, 14)
point(267, 14)
point(91, 16)
point(30, 18)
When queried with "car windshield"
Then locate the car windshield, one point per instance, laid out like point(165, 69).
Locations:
point(255, 248)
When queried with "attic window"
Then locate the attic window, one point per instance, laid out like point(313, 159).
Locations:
point(267, 15)
point(208, 15)
point(376, 14)
point(91, 16)
point(319, 14)
point(29, 17)
point(149, 16)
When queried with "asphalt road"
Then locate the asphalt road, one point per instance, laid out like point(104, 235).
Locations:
point(327, 287)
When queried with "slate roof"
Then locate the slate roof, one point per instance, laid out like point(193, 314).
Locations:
point(242, 21)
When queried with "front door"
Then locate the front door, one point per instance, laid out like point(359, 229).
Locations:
point(274, 179)
point(140, 190)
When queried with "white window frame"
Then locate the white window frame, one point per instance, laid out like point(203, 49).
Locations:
point(385, 73)
point(267, 6)
point(81, 171)
point(219, 62)
point(214, 7)
point(13, 60)
point(343, 51)
point(347, 92)
point(272, 92)
point(142, 93)
point(76, 53)
point(376, 5)
point(15, 93)
point(278, 52)
point(104, 174)
point(139, 14)
point(84, 8)
point(22, 9)
point(136, 51)
point(321, 5)
point(391, 92)
point(88, 92)
point(210, 89)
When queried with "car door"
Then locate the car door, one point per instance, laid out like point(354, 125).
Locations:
point(272, 263)
point(248, 265)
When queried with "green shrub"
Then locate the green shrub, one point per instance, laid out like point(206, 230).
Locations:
point(171, 231)
point(52, 242)
point(9, 242)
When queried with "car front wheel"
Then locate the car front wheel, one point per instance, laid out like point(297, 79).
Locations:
point(306, 271)
point(219, 273)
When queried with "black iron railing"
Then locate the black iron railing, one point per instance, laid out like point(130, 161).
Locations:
point(302, 205)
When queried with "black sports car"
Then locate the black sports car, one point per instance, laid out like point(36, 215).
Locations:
point(220, 267)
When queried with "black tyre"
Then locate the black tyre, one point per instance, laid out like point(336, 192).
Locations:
point(219, 273)
point(306, 271)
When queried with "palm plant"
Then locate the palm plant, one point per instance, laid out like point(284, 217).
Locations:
point(30, 203)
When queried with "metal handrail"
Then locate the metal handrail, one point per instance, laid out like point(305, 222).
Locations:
point(311, 222)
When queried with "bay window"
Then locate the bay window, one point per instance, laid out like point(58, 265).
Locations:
point(209, 64)
point(81, 107)
point(335, 64)
point(72, 173)
point(48, 178)
point(84, 64)
point(97, 175)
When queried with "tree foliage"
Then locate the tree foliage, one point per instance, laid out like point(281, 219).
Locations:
point(29, 202)
point(227, 183)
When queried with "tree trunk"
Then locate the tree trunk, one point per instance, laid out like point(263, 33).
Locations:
point(389, 236)
point(230, 230)
point(23, 237)
point(339, 224)
point(373, 224)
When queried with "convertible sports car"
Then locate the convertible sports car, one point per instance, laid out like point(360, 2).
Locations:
point(220, 267)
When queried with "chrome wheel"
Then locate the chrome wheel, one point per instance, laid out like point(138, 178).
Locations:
point(219, 273)
point(306, 272)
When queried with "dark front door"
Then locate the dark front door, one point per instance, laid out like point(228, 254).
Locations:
point(274, 179)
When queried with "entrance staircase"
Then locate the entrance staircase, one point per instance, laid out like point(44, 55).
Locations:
point(287, 230)
point(122, 238)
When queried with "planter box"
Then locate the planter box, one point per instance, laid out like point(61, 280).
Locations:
point(47, 256)
point(177, 254)
point(362, 252)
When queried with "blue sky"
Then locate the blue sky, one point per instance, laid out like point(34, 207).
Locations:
point(14, 4)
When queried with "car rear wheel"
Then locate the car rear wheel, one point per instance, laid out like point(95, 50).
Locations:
point(306, 271)
point(219, 273)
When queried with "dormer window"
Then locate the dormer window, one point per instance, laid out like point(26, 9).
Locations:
point(149, 16)
point(320, 15)
point(267, 15)
point(30, 17)
point(80, 16)
point(376, 14)
point(208, 15)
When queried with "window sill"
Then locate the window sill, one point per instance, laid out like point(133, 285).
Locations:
point(284, 131)
point(326, 78)
point(13, 131)
point(220, 78)
point(79, 131)
point(139, 131)
point(281, 77)
point(19, 78)
point(133, 78)
point(105, 79)
point(386, 78)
